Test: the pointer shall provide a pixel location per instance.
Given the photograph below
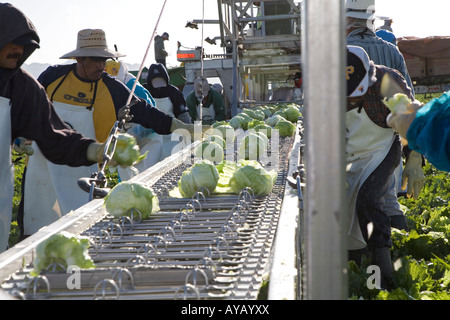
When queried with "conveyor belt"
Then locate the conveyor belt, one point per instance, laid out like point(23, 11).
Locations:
point(209, 247)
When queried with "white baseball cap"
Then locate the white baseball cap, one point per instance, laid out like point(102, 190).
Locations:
point(361, 9)
point(357, 71)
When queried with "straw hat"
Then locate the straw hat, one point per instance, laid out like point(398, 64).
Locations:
point(92, 43)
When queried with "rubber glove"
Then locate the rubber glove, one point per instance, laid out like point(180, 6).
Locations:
point(195, 130)
point(22, 146)
point(413, 175)
point(95, 152)
point(400, 122)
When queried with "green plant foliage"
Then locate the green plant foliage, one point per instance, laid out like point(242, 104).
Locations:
point(421, 256)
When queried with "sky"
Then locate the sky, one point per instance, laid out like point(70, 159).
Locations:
point(130, 24)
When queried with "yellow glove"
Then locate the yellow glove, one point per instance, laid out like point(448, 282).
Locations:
point(413, 175)
point(195, 131)
point(23, 146)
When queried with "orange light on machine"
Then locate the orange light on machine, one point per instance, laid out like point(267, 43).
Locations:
point(185, 55)
point(188, 55)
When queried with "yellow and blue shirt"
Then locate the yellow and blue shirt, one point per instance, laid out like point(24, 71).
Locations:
point(104, 97)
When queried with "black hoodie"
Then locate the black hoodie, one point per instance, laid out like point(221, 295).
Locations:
point(32, 114)
point(157, 70)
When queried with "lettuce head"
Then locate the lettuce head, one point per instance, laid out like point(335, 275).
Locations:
point(217, 139)
point(273, 120)
point(210, 150)
point(254, 177)
point(285, 128)
point(245, 121)
point(236, 121)
point(127, 151)
point(292, 113)
point(398, 103)
point(62, 249)
point(252, 147)
point(225, 131)
point(128, 195)
point(264, 128)
point(254, 123)
point(202, 174)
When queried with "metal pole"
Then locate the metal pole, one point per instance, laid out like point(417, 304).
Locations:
point(323, 50)
point(235, 56)
point(145, 55)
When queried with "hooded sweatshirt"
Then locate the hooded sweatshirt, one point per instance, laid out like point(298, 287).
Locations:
point(157, 70)
point(32, 114)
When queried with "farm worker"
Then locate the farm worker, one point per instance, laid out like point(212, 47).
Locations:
point(89, 100)
point(25, 111)
point(160, 50)
point(385, 31)
point(427, 129)
point(211, 102)
point(373, 151)
point(171, 101)
point(360, 18)
point(147, 139)
point(360, 32)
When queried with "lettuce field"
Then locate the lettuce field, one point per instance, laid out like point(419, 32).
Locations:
point(421, 255)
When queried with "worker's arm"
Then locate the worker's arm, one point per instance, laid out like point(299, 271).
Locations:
point(33, 117)
point(191, 103)
point(219, 106)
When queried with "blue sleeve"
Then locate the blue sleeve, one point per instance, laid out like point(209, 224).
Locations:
point(429, 133)
point(141, 92)
point(143, 113)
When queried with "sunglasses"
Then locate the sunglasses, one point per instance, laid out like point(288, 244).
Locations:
point(98, 59)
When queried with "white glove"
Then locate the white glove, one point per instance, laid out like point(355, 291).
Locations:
point(413, 175)
point(195, 130)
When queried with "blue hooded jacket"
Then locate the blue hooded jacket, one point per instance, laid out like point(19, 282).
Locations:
point(429, 133)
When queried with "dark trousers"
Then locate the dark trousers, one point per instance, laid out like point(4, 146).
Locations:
point(375, 224)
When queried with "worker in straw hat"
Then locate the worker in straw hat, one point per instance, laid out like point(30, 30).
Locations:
point(90, 100)
point(25, 111)
point(373, 151)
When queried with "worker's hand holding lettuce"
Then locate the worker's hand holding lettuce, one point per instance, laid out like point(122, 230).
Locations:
point(127, 152)
point(403, 112)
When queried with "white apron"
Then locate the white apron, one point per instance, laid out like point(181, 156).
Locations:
point(148, 140)
point(171, 142)
point(6, 173)
point(52, 190)
point(367, 146)
point(208, 115)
